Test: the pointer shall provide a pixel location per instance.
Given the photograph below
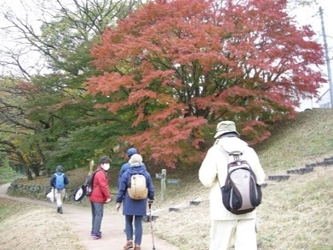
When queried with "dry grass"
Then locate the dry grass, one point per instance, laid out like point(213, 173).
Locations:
point(295, 214)
point(24, 226)
point(302, 140)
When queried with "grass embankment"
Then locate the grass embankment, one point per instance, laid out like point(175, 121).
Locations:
point(24, 226)
point(295, 214)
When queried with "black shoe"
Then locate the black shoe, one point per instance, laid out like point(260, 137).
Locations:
point(92, 234)
point(59, 210)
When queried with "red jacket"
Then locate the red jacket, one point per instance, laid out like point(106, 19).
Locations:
point(100, 192)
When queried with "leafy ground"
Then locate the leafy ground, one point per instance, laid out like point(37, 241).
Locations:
point(295, 214)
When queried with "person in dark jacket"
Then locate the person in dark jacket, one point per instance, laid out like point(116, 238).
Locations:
point(127, 165)
point(134, 209)
point(100, 195)
point(59, 191)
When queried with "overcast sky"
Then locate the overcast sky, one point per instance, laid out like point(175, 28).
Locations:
point(311, 17)
point(303, 16)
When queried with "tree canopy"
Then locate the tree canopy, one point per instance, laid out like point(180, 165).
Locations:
point(46, 117)
point(114, 74)
point(178, 67)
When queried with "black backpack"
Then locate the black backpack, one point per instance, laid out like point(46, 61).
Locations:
point(89, 184)
point(240, 193)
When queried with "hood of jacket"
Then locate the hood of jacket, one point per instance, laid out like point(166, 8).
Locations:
point(136, 169)
point(231, 144)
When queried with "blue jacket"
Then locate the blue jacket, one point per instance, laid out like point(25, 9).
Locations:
point(53, 179)
point(123, 169)
point(130, 206)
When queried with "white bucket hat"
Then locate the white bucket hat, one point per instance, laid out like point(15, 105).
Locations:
point(135, 160)
point(225, 127)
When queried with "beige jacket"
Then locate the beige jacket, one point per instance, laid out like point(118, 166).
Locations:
point(215, 164)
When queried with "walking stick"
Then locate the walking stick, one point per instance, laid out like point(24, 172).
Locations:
point(151, 226)
point(91, 167)
point(54, 197)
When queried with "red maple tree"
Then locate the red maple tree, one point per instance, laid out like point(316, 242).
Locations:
point(181, 66)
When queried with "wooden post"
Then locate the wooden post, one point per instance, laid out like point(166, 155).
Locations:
point(163, 184)
point(91, 167)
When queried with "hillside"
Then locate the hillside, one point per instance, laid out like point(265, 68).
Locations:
point(295, 214)
point(299, 141)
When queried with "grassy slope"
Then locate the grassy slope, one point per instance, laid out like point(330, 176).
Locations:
point(294, 215)
point(302, 140)
point(19, 228)
point(297, 214)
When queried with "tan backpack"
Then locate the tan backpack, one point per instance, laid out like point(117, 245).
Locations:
point(137, 189)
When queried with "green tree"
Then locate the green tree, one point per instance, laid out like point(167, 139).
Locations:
point(15, 129)
point(67, 129)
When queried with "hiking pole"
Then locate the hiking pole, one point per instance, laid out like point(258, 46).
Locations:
point(151, 226)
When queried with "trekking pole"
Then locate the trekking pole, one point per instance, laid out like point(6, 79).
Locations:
point(151, 226)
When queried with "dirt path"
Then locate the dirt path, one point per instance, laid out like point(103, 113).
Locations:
point(79, 218)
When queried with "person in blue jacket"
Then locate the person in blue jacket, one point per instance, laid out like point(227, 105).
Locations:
point(127, 165)
point(134, 209)
point(58, 182)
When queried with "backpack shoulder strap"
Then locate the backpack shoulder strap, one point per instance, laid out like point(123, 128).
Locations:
point(231, 157)
point(94, 173)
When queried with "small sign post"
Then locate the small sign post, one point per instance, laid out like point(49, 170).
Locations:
point(163, 184)
point(165, 181)
point(173, 182)
point(162, 176)
point(159, 176)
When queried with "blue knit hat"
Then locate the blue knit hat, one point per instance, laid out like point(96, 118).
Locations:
point(131, 151)
point(59, 168)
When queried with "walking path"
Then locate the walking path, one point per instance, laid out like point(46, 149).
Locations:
point(79, 219)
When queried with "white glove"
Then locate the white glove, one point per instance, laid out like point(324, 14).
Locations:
point(108, 200)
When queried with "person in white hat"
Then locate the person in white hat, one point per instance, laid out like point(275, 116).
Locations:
point(228, 228)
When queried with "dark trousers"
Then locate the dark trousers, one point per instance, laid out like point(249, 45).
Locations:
point(97, 215)
point(137, 225)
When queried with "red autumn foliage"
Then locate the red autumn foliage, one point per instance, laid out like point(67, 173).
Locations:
point(184, 65)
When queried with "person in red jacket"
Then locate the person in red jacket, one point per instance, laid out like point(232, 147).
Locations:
point(100, 195)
